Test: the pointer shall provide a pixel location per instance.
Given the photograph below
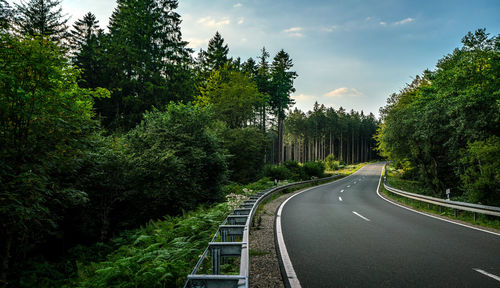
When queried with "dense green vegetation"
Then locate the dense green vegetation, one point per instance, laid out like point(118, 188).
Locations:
point(105, 132)
point(396, 178)
point(443, 128)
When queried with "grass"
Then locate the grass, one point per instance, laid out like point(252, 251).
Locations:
point(395, 180)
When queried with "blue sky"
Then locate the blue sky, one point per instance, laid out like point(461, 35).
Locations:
point(352, 54)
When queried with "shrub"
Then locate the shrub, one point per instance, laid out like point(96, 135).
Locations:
point(314, 169)
point(276, 172)
point(296, 171)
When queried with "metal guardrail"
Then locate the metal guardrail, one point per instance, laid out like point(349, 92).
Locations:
point(235, 227)
point(475, 208)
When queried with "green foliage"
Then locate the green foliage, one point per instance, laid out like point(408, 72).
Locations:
point(41, 18)
point(45, 124)
point(233, 96)
point(246, 148)
point(146, 61)
point(5, 16)
point(331, 164)
point(314, 169)
point(481, 177)
point(177, 162)
point(296, 171)
point(276, 172)
point(429, 124)
point(160, 254)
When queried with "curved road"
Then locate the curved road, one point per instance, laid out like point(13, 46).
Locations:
point(343, 234)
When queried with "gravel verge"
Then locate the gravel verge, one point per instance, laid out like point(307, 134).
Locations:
point(264, 262)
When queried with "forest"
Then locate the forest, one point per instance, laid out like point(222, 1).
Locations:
point(443, 129)
point(103, 131)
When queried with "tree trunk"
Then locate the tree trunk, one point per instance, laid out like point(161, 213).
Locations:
point(280, 139)
point(340, 151)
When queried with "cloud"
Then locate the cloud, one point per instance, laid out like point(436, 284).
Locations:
point(196, 42)
point(383, 23)
point(303, 97)
point(241, 20)
point(344, 92)
point(238, 5)
point(404, 21)
point(330, 28)
point(211, 22)
point(294, 31)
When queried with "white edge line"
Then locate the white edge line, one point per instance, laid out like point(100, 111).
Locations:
point(287, 263)
point(487, 274)
point(342, 191)
point(429, 215)
point(340, 198)
point(361, 216)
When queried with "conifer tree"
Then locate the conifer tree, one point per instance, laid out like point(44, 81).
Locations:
point(216, 54)
point(41, 17)
point(148, 59)
point(281, 88)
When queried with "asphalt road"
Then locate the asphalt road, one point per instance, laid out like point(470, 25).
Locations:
point(344, 235)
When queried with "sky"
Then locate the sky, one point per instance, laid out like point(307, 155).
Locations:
point(352, 54)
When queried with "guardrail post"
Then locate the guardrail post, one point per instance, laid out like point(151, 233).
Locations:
point(456, 213)
point(215, 253)
point(475, 216)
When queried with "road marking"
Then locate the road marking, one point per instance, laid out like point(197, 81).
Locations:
point(342, 191)
point(348, 186)
point(354, 182)
point(285, 258)
point(340, 199)
point(361, 216)
point(487, 274)
point(425, 214)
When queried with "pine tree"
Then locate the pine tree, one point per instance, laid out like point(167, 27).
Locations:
point(281, 88)
point(216, 54)
point(41, 17)
point(263, 83)
point(88, 49)
point(83, 30)
point(148, 59)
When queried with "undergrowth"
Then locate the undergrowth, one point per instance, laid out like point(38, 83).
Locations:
point(395, 180)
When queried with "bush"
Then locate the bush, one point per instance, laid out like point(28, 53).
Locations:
point(276, 172)
point(247, 147)
point(314, 169)
point(177, 162)
point(296, 171)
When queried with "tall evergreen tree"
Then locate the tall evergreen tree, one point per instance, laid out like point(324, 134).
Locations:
point(88, 49)
point(263, 83)
point(281, 88)
point(41, 17)
point(216, 54)
point(148, 59)
point(83, 30)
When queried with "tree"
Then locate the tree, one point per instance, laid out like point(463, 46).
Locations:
point(45, 121)
point(262, 78)
point(5, 16)
point(148, 62)
point(41, 17)
point(281, 88)
point(216, 54)
point(88, 44)
point(83, 31)
point(429, 124)
point(233, 95)
point(246, 148)
point(178, 163)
